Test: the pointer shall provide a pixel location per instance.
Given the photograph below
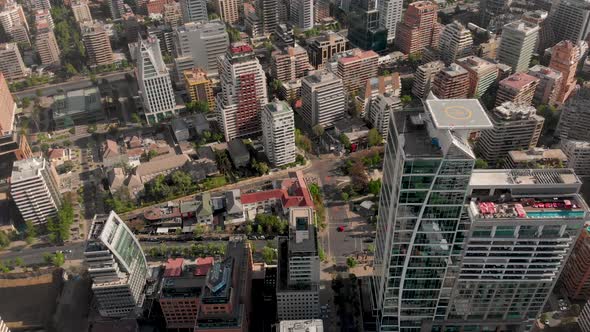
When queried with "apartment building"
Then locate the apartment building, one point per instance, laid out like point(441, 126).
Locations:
point(278, 133)
point(301, 14)
point(324, 47)
point(482, 74)
point(193, 10)
point(424, 77)
point(547, 91)
point(81, 11)
point(14, 22)
point(381, 109)
point(290, 64)
point(198, 87)
point(97, 44)
point(12, 65)
point(419, 28)
point(575, 117)
point(575, 278)
point(516, 127)
point(323, 99)
point(228, 10)
point(451, 82)
point(518, 88)
point(390, 14)
point(578, 155)
point(455, 42)
point(172, 14)
point(34, 187)
point(518, 43)
point(356, 67)
point(571, 20)
point(390, 84)
point(47, 48)
point(564, 58)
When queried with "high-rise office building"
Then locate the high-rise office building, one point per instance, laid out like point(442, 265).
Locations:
point(301, 13)
point(356, 67)
point(549, 85)
point(455, 42)
point(424, 77)
point(298, 271)
point(34, 187)
point(364, 29)
point(324, 47)
point(290, 64)
point(243, 92)
point(193, 10)
point(578, 156)
point(198, 87)
point(97, 44)
point(380, 111)
point(267, 12)
point(390, 14)
point(228, 10)
point(518, 88)
point(575, 278)
point(575, 117)
point(47, 47)
point(482, 74)
point(117, 267)
point(452, 82)
point(199, 44)
point(425, 182)
point(419, 28)
point(518, 44)
point(546, 34)
point(516, 127)
point(154, 81)
point(278, 133)
point(564, 58)
point(12, 65)
point(14, 22)
point(570, 20)
point(323, 99)
point(81, 11)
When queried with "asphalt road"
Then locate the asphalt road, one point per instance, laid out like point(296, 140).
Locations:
point(35, 255)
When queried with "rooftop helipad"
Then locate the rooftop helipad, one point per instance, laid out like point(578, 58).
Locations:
point(458, 114)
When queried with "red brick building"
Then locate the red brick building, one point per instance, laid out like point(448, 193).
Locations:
point(419, 28)
point(518, 88)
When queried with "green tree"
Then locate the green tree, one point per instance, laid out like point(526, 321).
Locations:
point(248, 229)
point(358, 177)
point(374, 137)
point(19, 262)
point(135, 118)
point(303, 142)
point(344, 196)
point(197, 106)
point(322, 253)
point(259, 229)
point(58, 259)
point(4, 240)
point(371, 248)
point(182, 181)
point(345, 141)
point(30, 231)
point(480, 163)
point(406, 99)
point(276, 85)
point(375, 187)
point(351, 262)
point(25, 102)
point(269, 254)
point(318, 130)
point(59, 226)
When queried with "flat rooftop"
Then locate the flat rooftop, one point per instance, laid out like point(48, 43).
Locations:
point(458, 114)
point(515, 177)
point(413, 135)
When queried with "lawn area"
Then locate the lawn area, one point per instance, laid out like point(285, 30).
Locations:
point(214, 182)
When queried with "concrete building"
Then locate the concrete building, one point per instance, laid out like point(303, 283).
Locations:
point(198, 87)
point(323, 99)
point(451, 82)
point(4, 328)
point(34, 187)
point(117, 8)
point(154, 81)
point(490, 9)
point(455, 42)
point(172, 14)
point(364, 29)
point(390, 84)
point(426, 171)
point(324, 47)
point(290, 64)
point(301, 13)
point(575, 277)
point(570, 20)
point(536, 158)
point(546, 34)
point(97, 44)
point(193, 10)
point(419, 28)
point(424, 77)
point(267, 11)
point(47, 47)
point(43, 20)
point(321, 11)
point(243, 92)
point(117, 266)
point(77, 107)
point(381, 109)
point(8, 107)
point(575, 117)
point(482, 74)
point(278, 133)
point(228, 10)
point(298, 274)
point(518, 44)
point(578, 156)
point(356, 67)
point(518, 88)
point(305, 325)
point(14, 22)
point(225, 299)
point(584, 318)
point(564, 58)
point(181, 287)
point(390, 14)
point(198, 45)
point(12, 65)
point(549, 86)
point(81, 11)
point(516, 127)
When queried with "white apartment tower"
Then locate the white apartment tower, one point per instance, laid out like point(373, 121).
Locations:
point(323, 99)
point(243, 92)
point(268, 13)
point(47, 47)
point(14, 22)
point(518, 44)
point(301, 14)
point(424, 78)
point(154, 81)
point(455, 42)
point(570, 20)
point(81, 11)
point(381, 109)
point(198, 45)
point(34, 188)
point(193, 10)
point(390, 14)
point(12, 65)
point(278, 133)
point(117, 266)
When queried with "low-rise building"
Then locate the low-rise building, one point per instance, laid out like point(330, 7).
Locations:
point(303, 325)
point(112, 154)
point(536, 158)
point(58, 156)
point(238, 152)
point(180, 129)
point(77, 107)
point(160, 166)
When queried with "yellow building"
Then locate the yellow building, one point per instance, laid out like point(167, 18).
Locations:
point(198, 86)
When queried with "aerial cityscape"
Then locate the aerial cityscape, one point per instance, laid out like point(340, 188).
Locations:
point(294, 165)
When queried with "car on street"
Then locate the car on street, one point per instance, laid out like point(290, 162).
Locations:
point(340, 229)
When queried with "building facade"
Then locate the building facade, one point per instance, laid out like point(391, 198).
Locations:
point(97, 44)
point(117, 267)
point(578, 156)
point(419, 28)
point(199, 44)
point(301, 13)
point(518, 88)
point(482, 74)
point(564, 58)
point(356, 67)
point(81, 11)
point(390, 14)
point(323, 99)
point(34, 188)
point(381, 109)
point(12, 65)
point(324, 47)
point(424, 78)
point(571, 20)
point(455, 42)
point(518, 44)
point(364, 29)
point(575, 117)
point(198, 87)
point(290, 64)
point(228, 10)
point(451, 82)
point(547, 91)
point(575, 277)
point(47, 47)
point(278, 133)
point(193, 10)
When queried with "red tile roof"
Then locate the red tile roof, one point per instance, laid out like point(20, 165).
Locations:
point(518, 81)
point(56, 153)
point(173, 267)
point(293, 192)
point(261, 196)
point(203, 265)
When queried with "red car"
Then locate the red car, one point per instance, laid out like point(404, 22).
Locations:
point(340, 229)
